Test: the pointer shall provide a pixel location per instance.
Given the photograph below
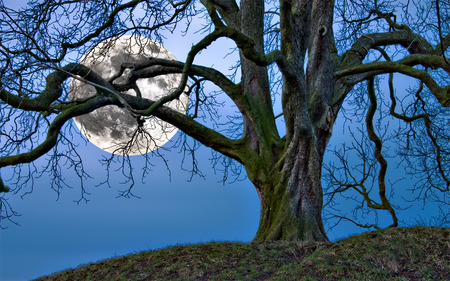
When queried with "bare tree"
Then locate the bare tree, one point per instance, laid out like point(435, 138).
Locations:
point(311, 53)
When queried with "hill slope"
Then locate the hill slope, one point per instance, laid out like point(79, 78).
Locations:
point(417, 253)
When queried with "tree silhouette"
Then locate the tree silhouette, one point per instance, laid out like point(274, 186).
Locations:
point(314, 55)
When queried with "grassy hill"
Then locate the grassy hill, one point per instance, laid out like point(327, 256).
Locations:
point(416, 253)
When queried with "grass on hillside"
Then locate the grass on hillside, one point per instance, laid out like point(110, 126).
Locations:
point(416, 253)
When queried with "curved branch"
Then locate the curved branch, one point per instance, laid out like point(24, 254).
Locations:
point(53, 132)
point(373, 68)
point(413, 43)
point(228, 10)
point(53, 88)
point(381, 160)
point(156, 66)
point(233, 31)
point(194, 129)
point(203, 44)
point(247, 46)
point(208, 137)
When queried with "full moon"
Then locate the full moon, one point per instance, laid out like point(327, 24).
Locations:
point(117, 130)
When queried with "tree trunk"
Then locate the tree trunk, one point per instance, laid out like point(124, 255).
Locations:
point(287, 172)
point(291, 195)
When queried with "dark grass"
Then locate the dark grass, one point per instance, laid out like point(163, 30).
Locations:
point(416, 253)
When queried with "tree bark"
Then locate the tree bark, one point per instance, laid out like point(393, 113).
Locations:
point(290, 192)
point(287, 173)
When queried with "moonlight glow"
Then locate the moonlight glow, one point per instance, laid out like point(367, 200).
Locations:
point(115, 129)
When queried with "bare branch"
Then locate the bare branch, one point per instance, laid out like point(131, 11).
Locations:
point(403, 66)
point(378, 155)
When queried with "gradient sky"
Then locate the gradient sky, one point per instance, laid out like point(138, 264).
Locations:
point(57, 234)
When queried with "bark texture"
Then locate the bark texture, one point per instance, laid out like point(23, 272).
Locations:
point(287, 172)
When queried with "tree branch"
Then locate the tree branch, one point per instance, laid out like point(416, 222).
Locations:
point(402, 66)
point(378, 155)
point(189, 126)
point(205, 42)
point(53, 132)
point(413, 43)
point(147, 69)
point(228, 9)
point(53, 88)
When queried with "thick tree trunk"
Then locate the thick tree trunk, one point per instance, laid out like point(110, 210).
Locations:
point(287, 172)
point(291, 195)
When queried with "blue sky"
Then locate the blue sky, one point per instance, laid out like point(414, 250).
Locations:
point(55, 235)
point(58, 234)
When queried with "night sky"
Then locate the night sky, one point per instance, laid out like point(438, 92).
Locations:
point(55, 235)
